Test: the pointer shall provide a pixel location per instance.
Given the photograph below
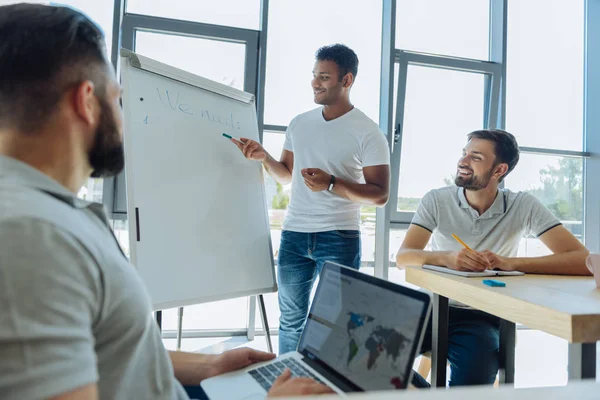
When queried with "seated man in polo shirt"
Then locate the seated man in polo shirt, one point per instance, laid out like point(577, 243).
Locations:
point(490, 221)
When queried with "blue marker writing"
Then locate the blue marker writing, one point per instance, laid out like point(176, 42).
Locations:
point(231, 137)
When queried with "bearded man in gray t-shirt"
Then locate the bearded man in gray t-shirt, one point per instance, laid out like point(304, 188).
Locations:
point(75, 317)
point(492, 222)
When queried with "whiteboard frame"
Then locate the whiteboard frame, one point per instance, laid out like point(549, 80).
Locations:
point(130, 59)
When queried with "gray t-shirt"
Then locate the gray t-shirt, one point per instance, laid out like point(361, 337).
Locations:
point(499, 229)
point(73, 310)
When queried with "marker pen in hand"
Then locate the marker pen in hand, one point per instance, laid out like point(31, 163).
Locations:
point(231, 137)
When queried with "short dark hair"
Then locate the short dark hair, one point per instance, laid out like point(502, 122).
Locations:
point(345, 58)
point(45, 50)
point(505, 146)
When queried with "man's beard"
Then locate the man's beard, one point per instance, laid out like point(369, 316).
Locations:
point(474, 182)
point(107, 156)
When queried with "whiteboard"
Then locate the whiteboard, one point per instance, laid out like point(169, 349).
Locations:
point(198, 220)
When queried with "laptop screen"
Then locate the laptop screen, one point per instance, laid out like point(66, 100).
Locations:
point(362, 329)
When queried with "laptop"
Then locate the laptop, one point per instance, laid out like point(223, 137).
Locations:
point(362, 333)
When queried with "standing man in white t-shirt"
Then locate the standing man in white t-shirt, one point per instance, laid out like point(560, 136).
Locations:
point(337, 159)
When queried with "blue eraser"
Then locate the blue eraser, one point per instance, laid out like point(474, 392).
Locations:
point(493, 282)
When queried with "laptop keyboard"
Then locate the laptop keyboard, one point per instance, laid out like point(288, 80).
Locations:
point(266, 375)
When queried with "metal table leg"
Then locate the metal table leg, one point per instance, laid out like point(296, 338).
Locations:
point(508, 332)
point(439, 344)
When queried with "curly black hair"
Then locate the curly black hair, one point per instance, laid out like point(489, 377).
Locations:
point(345, 58)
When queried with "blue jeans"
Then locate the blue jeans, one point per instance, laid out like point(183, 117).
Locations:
point(301, 258)
point(473, 343)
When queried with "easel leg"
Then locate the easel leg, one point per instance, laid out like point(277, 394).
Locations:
point(179, 327)
point(251, 324)
point(263, 315)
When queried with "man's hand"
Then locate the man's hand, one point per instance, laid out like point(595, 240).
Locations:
point(239, 358)
point(285, 385)
point(467, 260)
point(498, 262)
point(316, 179)
point(251, 149)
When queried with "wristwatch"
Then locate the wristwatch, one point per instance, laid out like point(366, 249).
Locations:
point(331, 183)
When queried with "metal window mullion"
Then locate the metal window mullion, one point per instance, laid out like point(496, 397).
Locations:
point(386, 124)
point(554, 152)
point(451, 63)
point(275, 128)
point(591, 123)
point(396, 156)
point(109, 184)
point(497, 55)
point(262, 66)
point(188, 28)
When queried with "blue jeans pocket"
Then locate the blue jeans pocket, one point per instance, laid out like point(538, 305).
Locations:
point(348, 234)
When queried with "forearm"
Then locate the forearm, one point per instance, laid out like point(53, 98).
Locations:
point(417, 258)
point(277, 170)
point(191, 368)
point(363, 193)
point(569, 263)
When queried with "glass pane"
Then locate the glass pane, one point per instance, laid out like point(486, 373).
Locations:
point(227, 60)
point(278, 197)
point(121, 231)
point(441, 108)
point(557, 183)
point(544, 83)
point(454, 28)
point(237, 13)
point(394, 274)
point(225, 314)
point(296, 30)
point(92, 190)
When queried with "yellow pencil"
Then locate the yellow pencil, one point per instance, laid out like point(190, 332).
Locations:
point(461, 242)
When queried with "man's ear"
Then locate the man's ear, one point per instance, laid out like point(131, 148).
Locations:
point(501, 170)
point(348, 80)
point(85, 102)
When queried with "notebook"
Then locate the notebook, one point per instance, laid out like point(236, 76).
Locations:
point(468, 274)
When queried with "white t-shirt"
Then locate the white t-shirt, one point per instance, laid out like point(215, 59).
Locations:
point(340, 147)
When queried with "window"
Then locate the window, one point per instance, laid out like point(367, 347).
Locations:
point(544, 83)
point(558, 183)
point(236, 13)
point(453, 28)
point(278, 195)
point(441, 108)
point(226, 64)
point(292, 43)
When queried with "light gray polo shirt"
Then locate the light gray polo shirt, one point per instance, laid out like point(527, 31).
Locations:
point(73, 310)
point(511, 217)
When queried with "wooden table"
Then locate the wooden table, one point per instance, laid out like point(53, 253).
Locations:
point(564, 306)
point(578, 391)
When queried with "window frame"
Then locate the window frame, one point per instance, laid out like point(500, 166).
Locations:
point(115, 199)
point(492, 71)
